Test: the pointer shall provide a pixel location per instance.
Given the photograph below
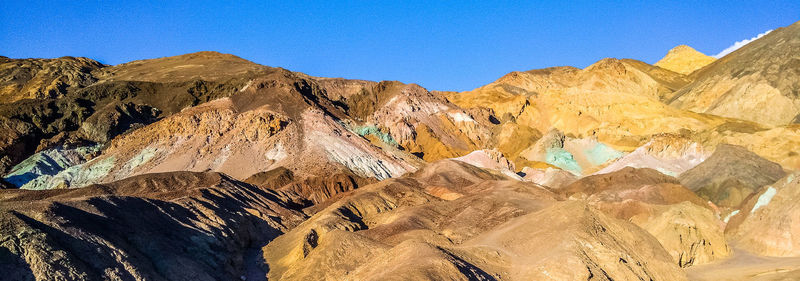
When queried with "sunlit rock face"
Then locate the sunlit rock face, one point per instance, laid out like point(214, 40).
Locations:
point(669, 154)
point(44, 78)
point(684, 60)
point(685, 224)
point(766, 223)
point(757, 82)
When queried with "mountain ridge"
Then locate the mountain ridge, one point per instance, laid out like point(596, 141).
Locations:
point(207, 166)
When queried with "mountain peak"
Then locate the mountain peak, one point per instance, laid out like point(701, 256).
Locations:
point(684, 60)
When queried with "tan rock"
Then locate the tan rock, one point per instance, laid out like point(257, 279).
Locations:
point(684, 60)
point(766, 224)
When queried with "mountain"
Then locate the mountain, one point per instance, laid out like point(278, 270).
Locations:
point(106, 105)
point(206, 66)
point(615, 101)
point(206, 166)
point(684, 60)
point(758, 82)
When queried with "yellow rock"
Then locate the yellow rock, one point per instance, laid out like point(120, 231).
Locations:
point(684, 60)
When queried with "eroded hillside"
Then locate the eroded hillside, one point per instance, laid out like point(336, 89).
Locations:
point(206, 166)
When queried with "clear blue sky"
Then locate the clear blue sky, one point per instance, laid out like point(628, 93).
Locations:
point(440, 45)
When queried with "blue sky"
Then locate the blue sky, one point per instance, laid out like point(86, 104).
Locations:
point(440, 45)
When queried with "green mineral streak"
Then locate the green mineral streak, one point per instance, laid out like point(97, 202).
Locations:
point(75, 176)
point(48, 162)
point(143, 157)
point(601, 153)
point(372, 130)
point(563, 159)
point(764, 199)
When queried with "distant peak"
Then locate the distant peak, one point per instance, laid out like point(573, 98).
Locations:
point(606, 63)
point(684, 60)
point(682, 48)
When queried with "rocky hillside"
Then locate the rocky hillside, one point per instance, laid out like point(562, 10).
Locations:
point(206, 166)
point(758, 82)
point(44, 78)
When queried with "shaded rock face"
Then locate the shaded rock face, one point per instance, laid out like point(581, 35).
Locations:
point(175, 226)
point(95, 114)
point(118, 119)
point(766, 223)
point(5, 185)
point(730, 175)
point(453, 221)
point(48, 163)
point(758, 82)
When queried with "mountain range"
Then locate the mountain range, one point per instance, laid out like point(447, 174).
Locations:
point(206, 166)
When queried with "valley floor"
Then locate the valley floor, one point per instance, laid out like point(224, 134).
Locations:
point(743, 265)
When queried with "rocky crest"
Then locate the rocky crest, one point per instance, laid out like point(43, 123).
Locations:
point(684, 60)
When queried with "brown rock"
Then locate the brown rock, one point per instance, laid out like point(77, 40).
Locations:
point(730, 174)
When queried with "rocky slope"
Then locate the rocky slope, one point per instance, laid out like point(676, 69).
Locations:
point(97, 113)
point(669, 154)
point(453, 221)
point(730, 175)
point(44, 78)
point(207, 166)
point(614, 102)
point(757, 82)
point(687, 227)
point(766, 222)
point(174, 226)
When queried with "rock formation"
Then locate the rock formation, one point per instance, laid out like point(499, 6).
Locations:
point(730, 175)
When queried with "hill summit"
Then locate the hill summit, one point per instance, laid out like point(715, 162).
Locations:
point(684, 60)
